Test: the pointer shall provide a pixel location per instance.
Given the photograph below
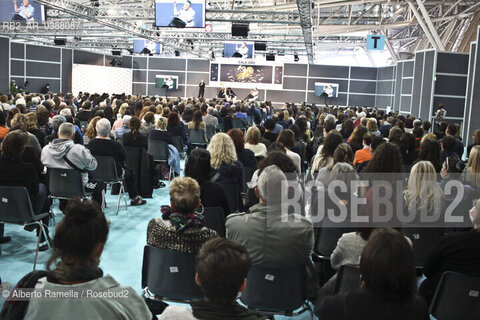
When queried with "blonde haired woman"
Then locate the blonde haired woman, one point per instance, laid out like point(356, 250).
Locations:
point(372, 127)
point(472, 172)
point(423, 196)
point(253, 142)
point(91, 131)
point(19, 121)
point(180, 228)
point(226, 169)
point(119, 122)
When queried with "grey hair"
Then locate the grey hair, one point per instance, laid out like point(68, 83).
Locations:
point(103, 127)
point(211, 111)
point(66, 112)
point(330, 117)
point(66, 130)
point(126, 120)
point(270, 187)
point(57, 121)
point(343, 171)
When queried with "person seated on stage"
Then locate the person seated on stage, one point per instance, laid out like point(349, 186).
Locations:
point(252, 95)
point(134, 138)
point(387, 288)
point(230, 94)
point(102, 145)
point(124, 129)
point(74, 265)
point(180, 228)
point(221, 93)
point(222, 268)
point(239, 114)
point(183, 17)
point(16, 172)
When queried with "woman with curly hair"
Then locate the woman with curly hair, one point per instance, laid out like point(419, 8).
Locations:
point(356, 138)
point(226, 169)
point(91, 132)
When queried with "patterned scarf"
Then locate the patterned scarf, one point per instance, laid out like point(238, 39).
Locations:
point(181, 221)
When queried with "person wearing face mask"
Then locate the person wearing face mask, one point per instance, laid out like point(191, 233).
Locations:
point(457, 252)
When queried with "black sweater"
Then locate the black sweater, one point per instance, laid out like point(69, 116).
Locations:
point(363, 305)
point(458, 252)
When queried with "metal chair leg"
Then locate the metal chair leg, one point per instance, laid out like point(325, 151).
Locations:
point(40, 223)
point(119, 197)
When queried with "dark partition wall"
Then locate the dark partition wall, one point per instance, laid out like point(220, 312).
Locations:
point(385, 87)
point(403, 86)
point(467, 131)
point(472, 117)
point(4, 64)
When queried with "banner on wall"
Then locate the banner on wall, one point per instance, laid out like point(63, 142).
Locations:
point(242, 75)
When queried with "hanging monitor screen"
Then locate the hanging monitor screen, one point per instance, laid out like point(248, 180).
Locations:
point(19, 11)
point(180, 14)
point(146, 46)
point(166, 81)
point(238, 49)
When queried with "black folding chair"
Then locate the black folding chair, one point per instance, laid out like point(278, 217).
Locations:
point(178, 143)
point(210, 131)
point(348, 279)
point(159, 150)
point(457, 297)
point(106, 172)
point(66, 184)
point(423, 240)
point(233, 196)
point(215, 219)
point(239, 124)
point(197, 137)
point(276, 290)
point(169, 275)
point(16, 208)
point(119, 140)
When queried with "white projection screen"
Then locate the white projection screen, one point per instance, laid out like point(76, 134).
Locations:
point(99, 79)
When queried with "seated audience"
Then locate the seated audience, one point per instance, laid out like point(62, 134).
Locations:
point(102, 145)
point(134, 138)
point(212, 194)
point(32, 127)
point(209, 117)
point(270, 240)
point(15, 172)
point(227, 170)
point(452, 131)
point(180, 228)
point(175, 128)
point(123, 129)
point(77, 247)
point(3, 126)
point(91, 132)
point(476, 140)
point(19, 121)
point(197, 123)
point(472, 171)
point(287, 138)
point(148, 123)
point(372, 127)
point(430, 151)
point(160, 132)
point(448, 148)
point(387, 288)
point(222, 267)
point(407, 149)
point(324, 156)
point(62, 153)
point(356, 139)
point(244, 155)
point(253, 142)
point(457, 252)
point(269, 126)
point(365, 154)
